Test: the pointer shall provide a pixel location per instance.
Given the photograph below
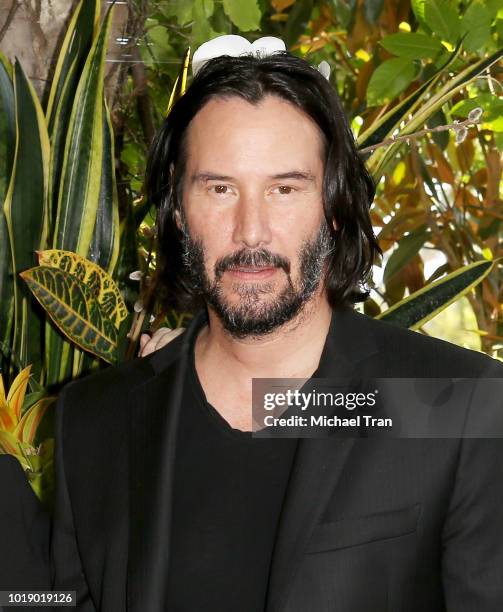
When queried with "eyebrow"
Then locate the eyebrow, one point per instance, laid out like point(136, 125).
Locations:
point(297, 175)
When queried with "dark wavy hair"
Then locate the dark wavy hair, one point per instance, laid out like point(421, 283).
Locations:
point(348, 188)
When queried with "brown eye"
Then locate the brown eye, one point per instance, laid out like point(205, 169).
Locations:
point(285, 190)
point(220, 188)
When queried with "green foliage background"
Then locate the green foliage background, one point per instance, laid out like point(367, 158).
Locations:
point(439, 200)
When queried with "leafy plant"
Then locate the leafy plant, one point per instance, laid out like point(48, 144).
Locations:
point(61, 191)
point(20, 417)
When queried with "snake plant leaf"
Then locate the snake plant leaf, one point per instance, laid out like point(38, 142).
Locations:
point(80, 185)
point(74, 309)
point(71, 59)
point(181, 81)
point(104, 248)
point(74, 51)
point(26, 213)
point(100, 284)
point(7, 150)
point(418, 308)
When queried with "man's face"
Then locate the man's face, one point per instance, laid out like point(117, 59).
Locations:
point(255, 237)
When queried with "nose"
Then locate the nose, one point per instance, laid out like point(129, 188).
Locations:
point(252, 223)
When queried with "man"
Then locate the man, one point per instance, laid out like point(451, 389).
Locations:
point(165, 500)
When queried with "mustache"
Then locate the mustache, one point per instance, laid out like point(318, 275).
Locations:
point(258, 258)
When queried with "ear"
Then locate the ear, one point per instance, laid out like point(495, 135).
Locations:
point(334, 224)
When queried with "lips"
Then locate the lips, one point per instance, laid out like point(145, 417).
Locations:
point(252, 272)
point(260, 269)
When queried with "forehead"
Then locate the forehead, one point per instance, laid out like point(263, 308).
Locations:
point(237, 135)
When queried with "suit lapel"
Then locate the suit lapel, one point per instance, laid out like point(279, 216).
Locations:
point(318, 462)
point(154, 411)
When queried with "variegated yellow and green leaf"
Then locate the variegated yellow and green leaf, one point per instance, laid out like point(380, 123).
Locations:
point(100, 284)
point(74, 51)
point(71, 59)
point(17, 392)
point(26, 213)
point(421, 306)
point(9, 444)
point(26, 429)
point(7, 150)
point(81, 176)
point(74, 309)
point(104, 248)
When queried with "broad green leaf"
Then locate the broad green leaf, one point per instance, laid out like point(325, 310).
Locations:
point(412, 45)
point(81, 176)
point(100, 284)
point(245, 14)
point(202, 31)
point(74, 309)
point(390, 79)
point(476, 24)
point(493, 6)
point(442, 18)
point(418, 10)
point(418, 308)
point(159, 43)
point(408, 248)
point(386, 125)
point(182, 10)
point(491, 105)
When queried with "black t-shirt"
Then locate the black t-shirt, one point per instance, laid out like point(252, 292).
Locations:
point(228, 494)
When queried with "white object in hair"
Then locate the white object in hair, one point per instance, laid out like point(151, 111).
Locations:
point(233, 45)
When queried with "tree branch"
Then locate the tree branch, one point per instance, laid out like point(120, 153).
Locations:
point(439, 128)
point(10, 16)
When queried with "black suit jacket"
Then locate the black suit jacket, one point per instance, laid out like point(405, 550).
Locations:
point(24, 533)
point(375, 525)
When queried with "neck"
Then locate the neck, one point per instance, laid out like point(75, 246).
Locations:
point(293, 350)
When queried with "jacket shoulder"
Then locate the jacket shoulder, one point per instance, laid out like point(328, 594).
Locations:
point(418, 355)
point(102, 394)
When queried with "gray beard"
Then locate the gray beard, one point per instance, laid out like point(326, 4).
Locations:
point(253, 316)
